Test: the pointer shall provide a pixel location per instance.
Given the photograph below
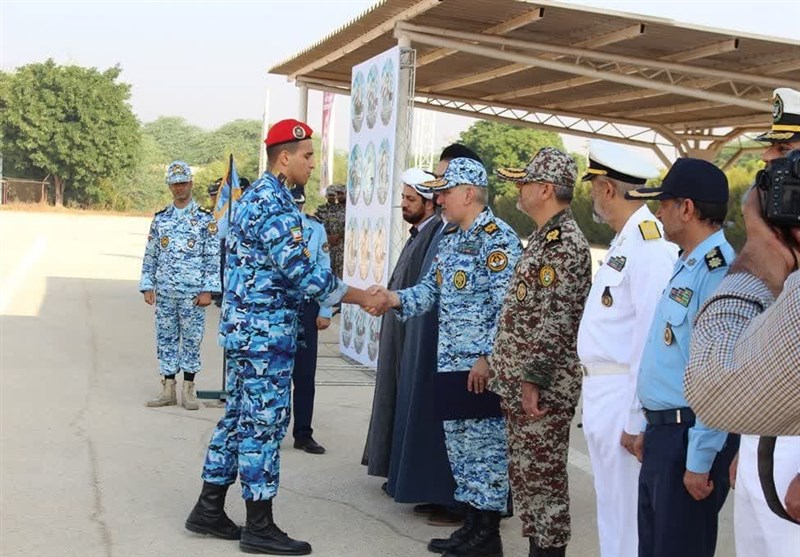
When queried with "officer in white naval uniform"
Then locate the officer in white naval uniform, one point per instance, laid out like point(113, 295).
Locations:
point(757, 530)
point(612, 334)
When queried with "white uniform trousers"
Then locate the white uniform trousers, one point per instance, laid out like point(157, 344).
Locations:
point(606, 407)
point(757, 531)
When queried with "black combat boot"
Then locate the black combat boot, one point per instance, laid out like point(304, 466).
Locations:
point(208, 515)
point(536, 551)
point(440, 545)
point(484, 540)
point(261, 535)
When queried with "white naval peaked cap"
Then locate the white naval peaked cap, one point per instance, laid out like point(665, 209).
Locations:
point(785, 117)
point(615, 161)
point(415, 177)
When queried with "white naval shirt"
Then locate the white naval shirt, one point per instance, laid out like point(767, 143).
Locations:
point(635, 271)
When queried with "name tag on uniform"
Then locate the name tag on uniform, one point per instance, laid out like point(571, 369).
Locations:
point(297, 233)
point(468, 248)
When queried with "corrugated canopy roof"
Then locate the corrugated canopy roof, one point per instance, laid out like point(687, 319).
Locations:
point(571, 69)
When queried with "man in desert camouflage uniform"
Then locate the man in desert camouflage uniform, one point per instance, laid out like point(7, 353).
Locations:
point(332, 215)
point(535, 362)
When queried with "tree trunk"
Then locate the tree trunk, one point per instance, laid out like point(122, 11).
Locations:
point(59, 191)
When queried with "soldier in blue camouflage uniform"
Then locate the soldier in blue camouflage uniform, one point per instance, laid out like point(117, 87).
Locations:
point(468, 279)
point(180, 272)
point(268, 272)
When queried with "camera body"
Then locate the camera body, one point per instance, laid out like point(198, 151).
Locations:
point(779, 187)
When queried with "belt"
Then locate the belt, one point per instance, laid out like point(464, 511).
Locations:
point(604, 368)
point(667, 417)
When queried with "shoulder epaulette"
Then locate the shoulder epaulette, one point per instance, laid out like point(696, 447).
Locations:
point(314, 218)
point(490, 228)
point(162, 210)
point(552, 236)
point(715, 259)
point(204, 210)
point(450, 228)
point(649, 230)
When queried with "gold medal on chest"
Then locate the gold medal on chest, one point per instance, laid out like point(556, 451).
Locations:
point(669, 338)
point(606, 299)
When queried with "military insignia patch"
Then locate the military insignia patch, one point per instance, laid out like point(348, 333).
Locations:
point(606, 299)
point(468, 248)
point(450, 229)
point(298, 132)
point(522, 291)
point(212, 228)
point(649, 230)
point(777, 109)
point(497, 261)
point(617, 263)
point(547, 276)
point(668, 336)
point(190, 243)
point(715, 259)
point(460, 279)
point(553, 236)
point(307, 253)
point(681, 295)
point(438, 277)
point(164, 241)
point(490, 228)
point(297, 234)
point(326, 248)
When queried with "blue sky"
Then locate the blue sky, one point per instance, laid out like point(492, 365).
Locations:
point(207, 61)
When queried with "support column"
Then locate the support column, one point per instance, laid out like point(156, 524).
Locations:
point(302, 109)
point(402, 147)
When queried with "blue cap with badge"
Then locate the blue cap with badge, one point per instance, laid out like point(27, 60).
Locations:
point(460, 172)
point(178, 172)
point(693, 179)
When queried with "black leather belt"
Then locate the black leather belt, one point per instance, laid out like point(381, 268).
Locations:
point(667, 417)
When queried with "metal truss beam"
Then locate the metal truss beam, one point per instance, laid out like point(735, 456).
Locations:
point(500, 29)
point(595, 42)
point(580, 53)
point(586, 72)
point(712, 49)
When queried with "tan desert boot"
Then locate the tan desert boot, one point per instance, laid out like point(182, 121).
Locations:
point(168, 397)
point(188, 397)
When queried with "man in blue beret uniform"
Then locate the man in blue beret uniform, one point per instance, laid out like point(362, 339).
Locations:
point(683, 482)
point(468, 279)
point(180, 272)
point(269, 272)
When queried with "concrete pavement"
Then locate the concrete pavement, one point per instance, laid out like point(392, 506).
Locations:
point(88, 470)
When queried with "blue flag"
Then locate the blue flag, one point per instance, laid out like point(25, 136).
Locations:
point(229, 192)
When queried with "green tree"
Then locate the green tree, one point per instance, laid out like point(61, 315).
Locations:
point(176, 138)
point(72, 123)
point(240, 137)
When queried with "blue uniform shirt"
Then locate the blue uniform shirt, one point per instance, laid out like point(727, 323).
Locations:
point(182, 254)
point(666, 352)
point(317, 240)
point(468, 278)
point(268, 272)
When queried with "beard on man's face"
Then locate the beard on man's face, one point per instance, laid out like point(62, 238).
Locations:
point(413, 218)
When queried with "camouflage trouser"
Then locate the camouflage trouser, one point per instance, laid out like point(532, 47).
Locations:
point(537, 469)
point(477, 453)
point(249, 435)
point(180, 325)
point(337, 259)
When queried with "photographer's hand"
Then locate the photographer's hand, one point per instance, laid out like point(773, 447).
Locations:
point(765, 254)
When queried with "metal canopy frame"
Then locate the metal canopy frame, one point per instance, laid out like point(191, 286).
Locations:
point(676, 89)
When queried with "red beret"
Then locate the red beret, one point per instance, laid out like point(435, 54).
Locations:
point(287, 131)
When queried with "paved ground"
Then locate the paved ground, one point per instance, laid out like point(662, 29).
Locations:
point(87, 470)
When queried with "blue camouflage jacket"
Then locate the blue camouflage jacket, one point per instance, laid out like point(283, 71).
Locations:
point(182, 254)
point(468, 278)
point(268, 271)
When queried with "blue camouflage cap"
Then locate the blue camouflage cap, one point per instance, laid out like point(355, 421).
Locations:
point(460, 172)
point(178, 172)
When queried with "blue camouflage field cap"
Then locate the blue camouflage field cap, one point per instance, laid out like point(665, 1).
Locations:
point(178, 172)
point(460, 172)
